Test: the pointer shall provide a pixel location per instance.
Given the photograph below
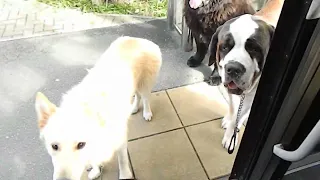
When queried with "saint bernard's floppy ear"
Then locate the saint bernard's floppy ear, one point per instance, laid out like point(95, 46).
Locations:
point(266, 25)
point(213, 46)
point(271, 31)
point(44, 109)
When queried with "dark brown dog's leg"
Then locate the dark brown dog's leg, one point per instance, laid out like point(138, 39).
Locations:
point(202, 48)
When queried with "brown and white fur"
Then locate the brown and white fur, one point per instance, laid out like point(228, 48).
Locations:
point(241, 46)
point(90, 125)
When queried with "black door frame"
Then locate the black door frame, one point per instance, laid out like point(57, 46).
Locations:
point(295, 105)
point(283, 60)
point(296, 117)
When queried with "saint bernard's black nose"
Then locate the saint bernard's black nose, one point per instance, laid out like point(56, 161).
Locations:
point(234, 69)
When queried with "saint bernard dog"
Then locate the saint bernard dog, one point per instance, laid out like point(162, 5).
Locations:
point(239, 48)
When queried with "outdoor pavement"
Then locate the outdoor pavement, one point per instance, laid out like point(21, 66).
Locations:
point(29, 18)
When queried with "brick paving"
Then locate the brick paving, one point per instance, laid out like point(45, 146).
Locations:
point(28, 18)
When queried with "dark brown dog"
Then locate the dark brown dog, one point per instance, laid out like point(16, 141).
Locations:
point(203, 17)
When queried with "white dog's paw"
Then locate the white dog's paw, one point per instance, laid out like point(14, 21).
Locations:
point(135, 109)
point(147, 115)
point(126, 174)
point(225, 123)
point(227, 140)
point(94, 173)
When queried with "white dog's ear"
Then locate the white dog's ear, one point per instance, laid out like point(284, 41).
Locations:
point(44, 109)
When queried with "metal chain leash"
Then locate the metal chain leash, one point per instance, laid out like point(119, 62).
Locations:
point(236, 130)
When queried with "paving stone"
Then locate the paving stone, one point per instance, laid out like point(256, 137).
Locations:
point(8, 30)
point(206, 139)
point(28, 32)
point(21, 22)
point(13, 14)
point(17, 36)
point(17, 32)
point(26, 15)
point(46, 32)
point(10, 21)
point(49, 21)
point(48, 27)
point(164, 117)
point(1, 32)
point(38, 28)
point(4, 15)
point(165, 156)
point(210, 103)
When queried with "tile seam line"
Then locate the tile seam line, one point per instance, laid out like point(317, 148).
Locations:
point(178, 86)
point(174, 129)
point(163, 132)
point(131, 164)
point(192, 145)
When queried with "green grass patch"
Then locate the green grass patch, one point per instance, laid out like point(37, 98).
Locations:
point(152, 8)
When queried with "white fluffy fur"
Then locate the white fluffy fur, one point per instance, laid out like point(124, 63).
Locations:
point(97, 109)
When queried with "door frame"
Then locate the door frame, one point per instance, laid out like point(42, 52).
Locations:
point(296, 117)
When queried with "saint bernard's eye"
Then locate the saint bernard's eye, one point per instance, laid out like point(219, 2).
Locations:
point(224, 47)
point(251, 46)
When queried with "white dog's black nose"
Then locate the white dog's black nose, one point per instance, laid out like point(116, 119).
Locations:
point(234, 69)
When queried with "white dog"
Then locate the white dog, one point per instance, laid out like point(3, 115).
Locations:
point(90, 125)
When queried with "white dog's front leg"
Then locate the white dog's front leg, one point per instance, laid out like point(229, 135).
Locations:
point(136, 103)
point(147, 113)
point(228, 117)
point(226, 141)
point(229, 122)
point(124, 164)
point(226, 121)
point(230, 127)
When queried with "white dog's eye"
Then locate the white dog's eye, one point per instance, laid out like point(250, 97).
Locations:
point(80, 145)
point(55, 147)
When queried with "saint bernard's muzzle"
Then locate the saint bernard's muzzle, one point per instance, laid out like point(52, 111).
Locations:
point(240, 47)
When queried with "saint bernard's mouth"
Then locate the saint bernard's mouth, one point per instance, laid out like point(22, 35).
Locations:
point(231, 85)
point(233, 88)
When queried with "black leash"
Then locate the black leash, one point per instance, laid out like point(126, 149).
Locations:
point(236, 130)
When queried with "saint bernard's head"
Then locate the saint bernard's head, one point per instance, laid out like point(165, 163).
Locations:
point(240, 46)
